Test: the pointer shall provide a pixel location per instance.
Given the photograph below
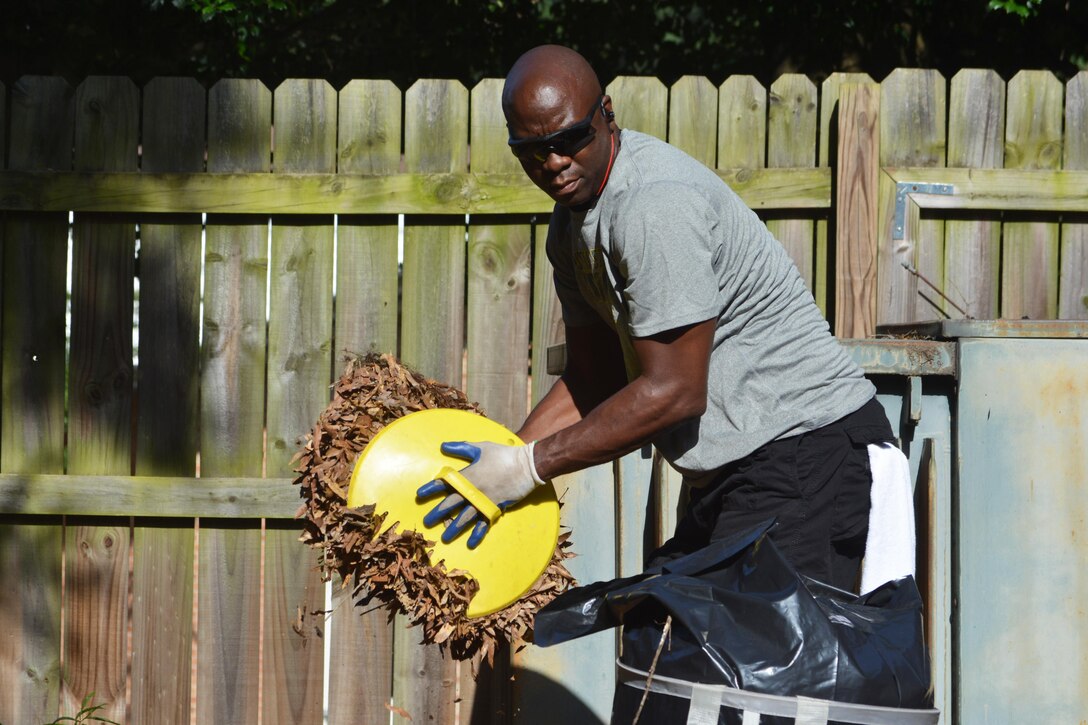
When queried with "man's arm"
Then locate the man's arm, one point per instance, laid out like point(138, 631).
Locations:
point(594, 371)
point(671, 388)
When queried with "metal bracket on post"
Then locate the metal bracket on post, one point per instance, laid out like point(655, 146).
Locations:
point(915, 399)
point(911, 413)
point(902, 189)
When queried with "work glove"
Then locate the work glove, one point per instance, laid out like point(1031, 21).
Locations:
point(503, 474)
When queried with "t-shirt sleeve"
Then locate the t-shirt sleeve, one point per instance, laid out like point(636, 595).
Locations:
point(576, 311)
point(664, 244)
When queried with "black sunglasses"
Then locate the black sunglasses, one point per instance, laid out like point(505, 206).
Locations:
point(564, 142)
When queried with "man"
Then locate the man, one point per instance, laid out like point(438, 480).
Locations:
point(687, 326)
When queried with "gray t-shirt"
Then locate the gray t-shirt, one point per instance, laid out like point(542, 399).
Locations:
point(669, 244)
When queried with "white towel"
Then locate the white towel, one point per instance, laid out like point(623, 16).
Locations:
point(889, 548)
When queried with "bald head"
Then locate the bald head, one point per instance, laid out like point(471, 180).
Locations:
point(562, 128)
point(545, 80)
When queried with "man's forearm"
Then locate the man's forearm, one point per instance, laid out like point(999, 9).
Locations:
point(622, 423)
point(555, 411)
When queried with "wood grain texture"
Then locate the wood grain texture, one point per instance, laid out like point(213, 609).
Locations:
point(361, 642)
point(499, 280)
point(497, 351)
point(791, 143)
point(1029, 251)
point(856, 213)
point(693, 118)
point(825, 158)
point(742, 123)
point(912, 133)
point(232, 376)
point(32, 405)
point(299, 373)
point(44, 494)
point(313, 193)
point(166, 420)
point(366, 263)
point(976, 130)
point(433, 282)
point(640, 104)
point(100, 404)
point(547, 323)
point(432, 341)
point(1073, 275)
point(574, 682)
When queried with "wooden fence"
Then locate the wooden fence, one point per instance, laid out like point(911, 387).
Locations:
point(147, 551)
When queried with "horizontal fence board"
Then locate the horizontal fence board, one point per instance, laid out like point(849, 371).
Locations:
point(408, 193)
point(999, 189)
point(28, 493)
point(882, 356)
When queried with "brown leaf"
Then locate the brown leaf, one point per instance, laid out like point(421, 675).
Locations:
point(393, 569)
point(397, 710)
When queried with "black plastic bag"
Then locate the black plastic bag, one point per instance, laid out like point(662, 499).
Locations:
point(742, 617)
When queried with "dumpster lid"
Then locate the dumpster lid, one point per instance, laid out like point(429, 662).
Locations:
point(954, 329)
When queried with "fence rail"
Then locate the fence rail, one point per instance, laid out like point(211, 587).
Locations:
point(253, 234)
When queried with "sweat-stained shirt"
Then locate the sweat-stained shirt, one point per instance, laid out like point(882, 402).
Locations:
point(669, 244)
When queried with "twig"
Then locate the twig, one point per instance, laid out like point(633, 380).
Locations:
point(653, 666)
point(910, 268)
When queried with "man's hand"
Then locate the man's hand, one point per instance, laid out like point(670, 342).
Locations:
point(504, 474)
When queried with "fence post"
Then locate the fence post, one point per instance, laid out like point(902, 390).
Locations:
point(857, 169)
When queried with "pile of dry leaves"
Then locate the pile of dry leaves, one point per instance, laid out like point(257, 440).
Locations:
point(393, 567)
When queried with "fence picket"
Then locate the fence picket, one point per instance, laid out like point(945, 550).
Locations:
point(166, 432)
point(912, 133)
point(32, 405)
point(499, 278)
point(497, 363)
point(639, 104)
point(366, 262)
point(791, 143)
point(299, 372)
point(232, 411)
point(693, 118)
point(573, 682)
point(1029, 250)
point(1073, 276)
point(826, 155)
point(742, 124)
point(433, 284)
point(976, 127)
point(100, 404)
point(361, 658)
point(856, 251)
point(547, 325)
point(432, 339)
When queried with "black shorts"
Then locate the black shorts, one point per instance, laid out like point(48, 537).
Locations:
point(816, 487)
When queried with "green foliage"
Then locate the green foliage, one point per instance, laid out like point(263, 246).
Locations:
point(471, 39)
point(1024, 9)
point(87, 714)
point(247, 19)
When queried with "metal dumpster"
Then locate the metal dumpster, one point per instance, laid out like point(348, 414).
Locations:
point(1020, 519)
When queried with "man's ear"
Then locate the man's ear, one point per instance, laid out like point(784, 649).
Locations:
point(606, 108)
